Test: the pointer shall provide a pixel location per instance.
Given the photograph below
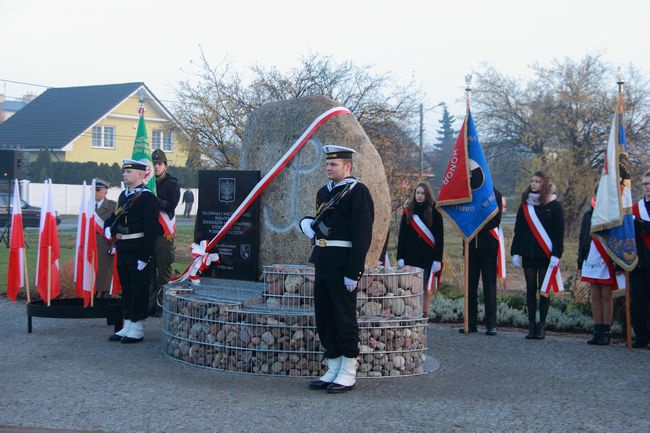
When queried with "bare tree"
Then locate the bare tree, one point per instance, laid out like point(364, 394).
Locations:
point(213, 109)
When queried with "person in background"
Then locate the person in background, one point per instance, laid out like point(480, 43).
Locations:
point(188, 199)
point(104, 208)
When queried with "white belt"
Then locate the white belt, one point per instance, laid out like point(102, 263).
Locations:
point(123, 237)
point(327, 243)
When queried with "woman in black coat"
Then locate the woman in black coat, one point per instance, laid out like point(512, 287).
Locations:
point(412, 250)
point(526, 251)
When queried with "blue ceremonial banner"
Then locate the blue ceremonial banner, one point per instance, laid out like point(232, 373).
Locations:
point(467, 208)
point(612, 222)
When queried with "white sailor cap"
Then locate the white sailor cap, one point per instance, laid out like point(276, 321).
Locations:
point(133, 164)
point(335, 152)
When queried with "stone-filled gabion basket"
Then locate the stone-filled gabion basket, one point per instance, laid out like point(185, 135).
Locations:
point(270, 328)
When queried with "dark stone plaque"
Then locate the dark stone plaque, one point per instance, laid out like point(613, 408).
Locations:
point(220, 193)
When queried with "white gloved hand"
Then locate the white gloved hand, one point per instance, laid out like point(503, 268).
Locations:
point(112, 251)
point(107, 232)
point(400, 263)
point(516, 260)
point(305, 226)
point(350, 284)
point(554, 261)
point(435, 267)
point(142, 265)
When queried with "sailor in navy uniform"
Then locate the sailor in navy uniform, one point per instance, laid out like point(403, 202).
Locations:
point(133, 229)
point(342, 235)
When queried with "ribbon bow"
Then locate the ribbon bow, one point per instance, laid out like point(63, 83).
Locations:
point(202, 260)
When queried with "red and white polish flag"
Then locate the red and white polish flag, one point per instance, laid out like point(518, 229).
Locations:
point(80, 243)
point(47, 274)
point(16, 271)
point(90, 256)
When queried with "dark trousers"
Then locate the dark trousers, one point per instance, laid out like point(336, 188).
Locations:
point(534, 276)
point(135, 286)
point(336, 313)
point(486, 268)
point(164, 256)
point(188, 208)
point(640, 296)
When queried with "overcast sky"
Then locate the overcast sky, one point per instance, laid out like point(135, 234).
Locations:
point(70, 43)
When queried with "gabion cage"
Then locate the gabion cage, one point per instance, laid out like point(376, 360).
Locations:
point(270, 328)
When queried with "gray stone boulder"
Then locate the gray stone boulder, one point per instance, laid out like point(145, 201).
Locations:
point(269, 133)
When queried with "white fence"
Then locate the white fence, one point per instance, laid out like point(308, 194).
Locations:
point(67, 198)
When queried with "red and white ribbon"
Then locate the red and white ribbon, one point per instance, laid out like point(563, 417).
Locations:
point(639, 211)
point(425, 234)
point(202, 260)
point(168, 224)
point(553, 278)
point(193, 268)
point(497, 233)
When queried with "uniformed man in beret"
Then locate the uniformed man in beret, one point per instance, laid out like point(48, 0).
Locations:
point(342, 232)
point(133, 229)
point(104, 208)
point(169, 193)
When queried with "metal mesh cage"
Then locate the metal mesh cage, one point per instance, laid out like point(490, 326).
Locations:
point(271, 329)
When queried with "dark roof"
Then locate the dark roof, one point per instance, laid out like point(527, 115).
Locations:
point(59, 115)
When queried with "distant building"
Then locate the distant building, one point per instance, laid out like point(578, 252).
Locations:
point(91, 123)
point(9, 108)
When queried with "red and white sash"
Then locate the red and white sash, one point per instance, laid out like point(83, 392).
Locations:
point(497, 233)
point(168, 224)
point(99, 225)
point(598, 268)
point(639, 210)
point(553, 278)
point(425, 234)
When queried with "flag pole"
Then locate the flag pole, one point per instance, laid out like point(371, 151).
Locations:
point(468, 97)
point(29, 298)
point(49, 275)
point(92, 285)
point(628, 309)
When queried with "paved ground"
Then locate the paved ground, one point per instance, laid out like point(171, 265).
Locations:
point(66, 375)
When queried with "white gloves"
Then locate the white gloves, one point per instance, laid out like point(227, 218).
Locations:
point(400, 263)
point(554, 261)
point(435, 267)
point(305, 226)
point(516, 260)
point(112, 251)
point(142, 265)
point(107, 232)
point(350, 284)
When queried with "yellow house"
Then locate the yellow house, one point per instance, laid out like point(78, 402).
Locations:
point(93, 123)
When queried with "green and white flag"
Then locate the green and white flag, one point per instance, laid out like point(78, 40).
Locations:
point(142, 153)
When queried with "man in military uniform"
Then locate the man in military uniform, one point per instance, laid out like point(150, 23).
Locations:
point(640, 276)
point(133, 229)
point(342, 231)
point(104, 208)
point(169, 193)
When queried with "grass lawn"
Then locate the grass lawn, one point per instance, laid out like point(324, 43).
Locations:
point(453, 274)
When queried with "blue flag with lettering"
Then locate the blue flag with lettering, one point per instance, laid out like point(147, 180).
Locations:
point(467, 195)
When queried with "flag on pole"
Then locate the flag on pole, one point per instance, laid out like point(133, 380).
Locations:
point(142, 153)
point(90, 257)
point(48, 246)
point(467, 196)
point(612, 222)
point(16, 271)
point(80, 243)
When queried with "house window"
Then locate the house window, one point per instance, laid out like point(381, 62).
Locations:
point(162, 140)
point(104, 136)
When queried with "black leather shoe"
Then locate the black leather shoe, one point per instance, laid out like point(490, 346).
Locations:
point(531, 330)
point(335, 388)
point(491, 331)
point(639, 344)
point(319, 384)
point(540, 331)
point(130, 340)
point(469, 331)
point(115, 337)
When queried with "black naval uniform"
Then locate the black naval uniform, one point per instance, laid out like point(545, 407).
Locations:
point(640, 283)
point(483, 250)
point(140, 216)
point(336, 308)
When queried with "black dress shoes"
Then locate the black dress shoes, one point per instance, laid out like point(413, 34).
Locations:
point(115, 337)
point(639, 344)
point(491, 331)
point(130, 340)
point(335, 388)
point(319, 384)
